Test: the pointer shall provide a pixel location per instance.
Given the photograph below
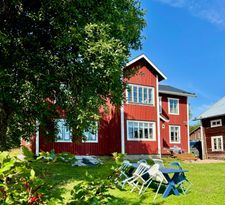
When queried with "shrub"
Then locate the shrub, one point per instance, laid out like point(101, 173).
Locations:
point(95, 192)
point(118, 157)
point(19, 183)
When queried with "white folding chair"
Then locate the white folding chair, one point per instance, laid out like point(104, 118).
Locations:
point(123, 171)
point(181, 179)
point(159, 162)
point(136, 178)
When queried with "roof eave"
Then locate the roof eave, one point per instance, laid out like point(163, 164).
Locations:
point(178, 93)
point(202, 118)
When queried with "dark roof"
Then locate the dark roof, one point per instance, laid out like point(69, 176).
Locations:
point(167, 89)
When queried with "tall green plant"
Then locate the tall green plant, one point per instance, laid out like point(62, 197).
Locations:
point(63, 56)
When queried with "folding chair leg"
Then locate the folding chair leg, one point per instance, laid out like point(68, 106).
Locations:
point(157, 191)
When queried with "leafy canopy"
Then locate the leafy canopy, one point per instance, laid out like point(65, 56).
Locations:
point(68, 51)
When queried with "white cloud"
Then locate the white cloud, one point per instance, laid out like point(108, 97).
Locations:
point(211, 10)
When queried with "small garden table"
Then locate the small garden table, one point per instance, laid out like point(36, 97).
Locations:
point(172, 181)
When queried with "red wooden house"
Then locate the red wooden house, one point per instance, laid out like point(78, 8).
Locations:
point(153, 119)
point(213, 131)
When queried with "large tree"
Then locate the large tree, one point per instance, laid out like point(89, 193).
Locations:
point(69, 51)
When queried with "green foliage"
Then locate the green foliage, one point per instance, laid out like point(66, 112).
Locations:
point(19, 183)
point(29, 155)
point(53, 157)
point(118, 157)
point(95, 192)
point(194, 127)
point(68, 51)
point(47, 156)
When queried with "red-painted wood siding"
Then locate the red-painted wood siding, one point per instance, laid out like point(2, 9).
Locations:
point(146, 77)
point(209, 132)
point(179, 120)
point(108, 138)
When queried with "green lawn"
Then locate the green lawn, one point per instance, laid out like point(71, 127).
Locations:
point(208, 183)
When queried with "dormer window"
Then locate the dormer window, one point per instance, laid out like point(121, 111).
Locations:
point(216, 123)
point(138, 94)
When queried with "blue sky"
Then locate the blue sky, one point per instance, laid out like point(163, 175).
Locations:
point(186, 40)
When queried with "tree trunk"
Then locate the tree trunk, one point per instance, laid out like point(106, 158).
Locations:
point(4, 116)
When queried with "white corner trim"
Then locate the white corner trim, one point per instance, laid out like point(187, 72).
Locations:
point(150, 62)
point(37, 136)
point(122, 128)
point(202, 141)
point(188, 134)
point(158, 116)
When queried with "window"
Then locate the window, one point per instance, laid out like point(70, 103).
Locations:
point(140, 94)
point(174, 134)
point(173, 106)
point(216, 123)
point(140, 130)
point(160, 105)
point(64, 133)
point(91, 134)
point(217, 143)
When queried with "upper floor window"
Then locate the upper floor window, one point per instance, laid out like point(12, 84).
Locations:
point(140, 130)
point(64, 133)
point(216, 123)
point(173, 104)
point(140, 94)
point(174, 134)
point(217, 143)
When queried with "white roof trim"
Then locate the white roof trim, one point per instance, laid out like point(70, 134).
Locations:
point(150, 62)
point(177, 93)
point(163, 118)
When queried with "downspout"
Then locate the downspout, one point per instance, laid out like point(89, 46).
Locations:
point(202, 141)
point(37, 139)
point(158, 116)
point(188, 133)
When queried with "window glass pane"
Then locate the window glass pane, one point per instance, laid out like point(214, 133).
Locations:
point(90, 135)
point(150, 96)
point(64, 133)
point(160, 104)
point(146, 135)
point(130, 130)
point(141, 130)
point(150, 131)
point(145, 95)
point(129, 93)
point(135, 94)
point(140, 95)
point(135, 130)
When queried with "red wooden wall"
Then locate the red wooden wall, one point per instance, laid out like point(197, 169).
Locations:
point(145, 76)
point(180, 120)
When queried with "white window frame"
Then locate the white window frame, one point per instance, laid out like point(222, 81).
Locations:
point(160, 104)
point(178, 106)
point(152, 103)
point(142, 139)
point(217, 142)
point(70, 132)
point(96, 135)
point(217, 121)
point(179, 136)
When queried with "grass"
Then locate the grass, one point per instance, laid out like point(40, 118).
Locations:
point(208, 183)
